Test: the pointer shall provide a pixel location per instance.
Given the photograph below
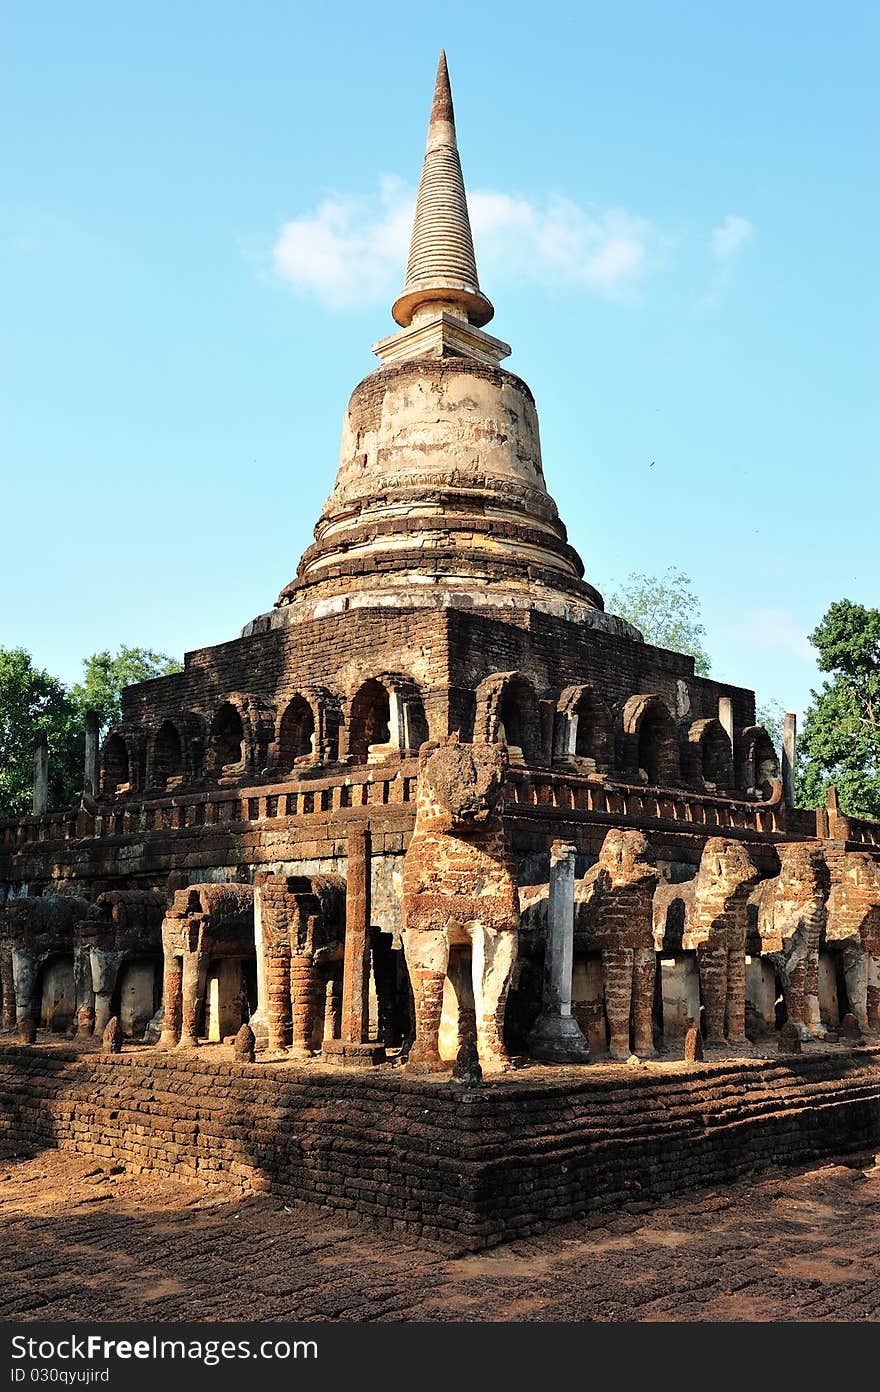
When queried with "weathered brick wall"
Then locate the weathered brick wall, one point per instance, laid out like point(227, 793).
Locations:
point(419, 1156)
point(144, 861)
point(453, 649)
point(337, 651)
point(555, 654)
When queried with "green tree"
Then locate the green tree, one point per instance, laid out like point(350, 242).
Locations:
point(771, 715)
point(105, 675)
point(666, 611)
point(840, 740)
point(32, 701)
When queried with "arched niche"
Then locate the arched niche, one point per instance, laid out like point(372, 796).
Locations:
point(508, 713)
point(652, 736)
point(167, 757)
point(296, 734)
point(760, 762)
point(369, 720)
point(712, 755)
point(584, 729)
point(115, 765)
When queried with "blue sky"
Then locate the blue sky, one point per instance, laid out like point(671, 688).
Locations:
point(203, 223)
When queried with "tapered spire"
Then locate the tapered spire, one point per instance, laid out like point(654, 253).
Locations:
point(442, 269)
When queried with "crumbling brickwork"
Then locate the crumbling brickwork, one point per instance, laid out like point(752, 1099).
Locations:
point(614, 904)
point(717, 928)
point(418, 1157)
point(791, 918)
point(458, 890)
point(303, 932)
point(203, 923)
point(853, 927)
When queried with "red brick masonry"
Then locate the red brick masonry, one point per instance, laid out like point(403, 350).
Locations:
point(419, 1156)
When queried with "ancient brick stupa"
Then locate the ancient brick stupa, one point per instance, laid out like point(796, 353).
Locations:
point(596, 862)
point(440, 500)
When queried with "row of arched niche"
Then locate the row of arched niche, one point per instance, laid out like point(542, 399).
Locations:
point(247, 736)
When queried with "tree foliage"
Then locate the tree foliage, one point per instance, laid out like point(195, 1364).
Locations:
point(105, 675)
point(666, 611)
point(31, 701)
point(771, 715)
point(840, 740)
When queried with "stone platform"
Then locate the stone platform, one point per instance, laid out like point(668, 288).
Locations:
point(420, 1156)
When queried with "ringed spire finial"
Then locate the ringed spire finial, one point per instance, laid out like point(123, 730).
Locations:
point(442, 269)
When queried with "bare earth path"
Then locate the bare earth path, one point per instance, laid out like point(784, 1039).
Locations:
point(80, 1242)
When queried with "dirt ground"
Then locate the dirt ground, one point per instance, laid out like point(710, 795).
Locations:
point(82, 1241)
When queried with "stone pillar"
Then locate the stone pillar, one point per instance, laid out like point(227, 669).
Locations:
point(332, 1002)
point(352, 1047)
point(571, 743)
point(556, 1036)
point(813, 1015)
point(41, 775)
point(438, 713)
point(396, 721)
point(172, 1001)
point(259, 1021)
point(356, 966)
point(644, 976)
point(789, 754)
point(564, 735)
point(90, 771)
point(410, 743)
point(725, 717)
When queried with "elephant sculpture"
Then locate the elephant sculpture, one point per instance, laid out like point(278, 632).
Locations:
point(458, 891)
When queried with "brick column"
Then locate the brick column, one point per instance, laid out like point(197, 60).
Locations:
point(303, 1000)
point(736, 996)
point(172, 1000)
point(352, 1049)
point(278, 999)
point(195, 967)
point(713, 988)
point(356, 966)
point(8, 989)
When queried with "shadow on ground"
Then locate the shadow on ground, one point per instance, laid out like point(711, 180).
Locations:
point(79, 1240)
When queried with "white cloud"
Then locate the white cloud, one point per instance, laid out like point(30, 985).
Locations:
point(733, 234)
point(345, 250)
point(351, 250)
